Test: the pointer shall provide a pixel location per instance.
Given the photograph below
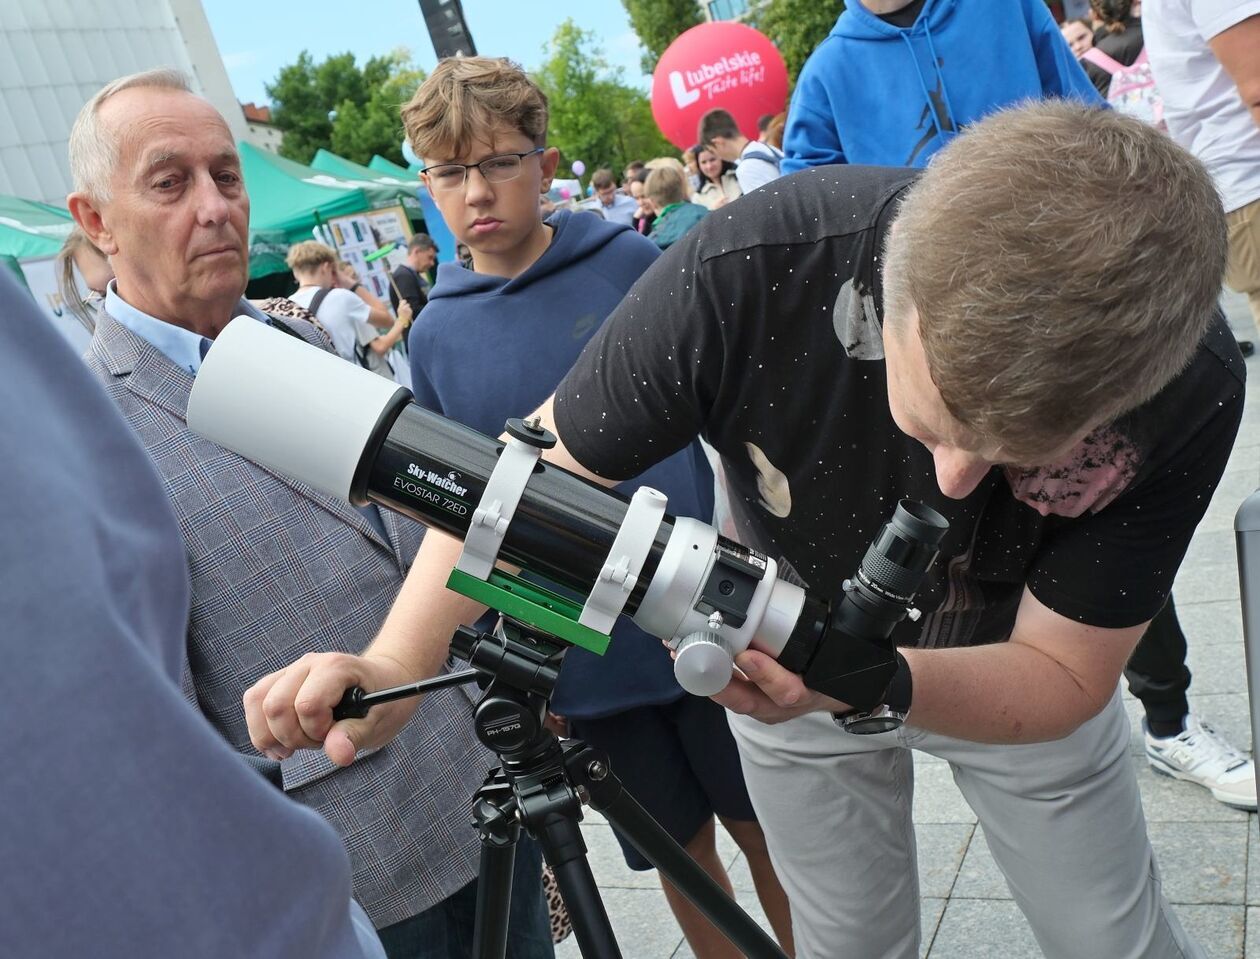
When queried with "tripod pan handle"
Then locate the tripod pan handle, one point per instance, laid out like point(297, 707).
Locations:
point(351, 705)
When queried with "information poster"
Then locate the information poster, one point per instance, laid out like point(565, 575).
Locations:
point(360, 234)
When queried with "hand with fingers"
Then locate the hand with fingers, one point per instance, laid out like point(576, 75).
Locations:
point(292, 708)
point(769, 693)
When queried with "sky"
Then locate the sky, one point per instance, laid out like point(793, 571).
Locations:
point(258, 37)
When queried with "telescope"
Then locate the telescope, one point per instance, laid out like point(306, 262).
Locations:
point(349, 433)
point(356, 436)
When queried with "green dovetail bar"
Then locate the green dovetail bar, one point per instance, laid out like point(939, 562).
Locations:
point(531, 604)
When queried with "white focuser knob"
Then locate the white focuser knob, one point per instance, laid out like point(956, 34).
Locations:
point(703, 663)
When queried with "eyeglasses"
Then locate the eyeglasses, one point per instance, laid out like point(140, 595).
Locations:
point(496, 169)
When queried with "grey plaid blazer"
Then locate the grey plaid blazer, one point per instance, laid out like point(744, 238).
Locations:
point(279, 570)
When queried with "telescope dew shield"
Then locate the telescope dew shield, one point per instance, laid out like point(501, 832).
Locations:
point(277, 400)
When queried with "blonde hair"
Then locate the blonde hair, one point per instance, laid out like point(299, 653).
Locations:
point(64, 266)
point(466, 99)
point(671, 163)
point(1064, 262)
point(93, 146)
point(308, 256)
point(664, 186)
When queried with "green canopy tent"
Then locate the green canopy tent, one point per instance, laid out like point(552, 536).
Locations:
point(287, 201)
point(390, 168)
point(30, 231)
point(400, 189)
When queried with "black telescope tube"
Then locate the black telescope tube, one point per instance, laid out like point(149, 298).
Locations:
point(435, 471)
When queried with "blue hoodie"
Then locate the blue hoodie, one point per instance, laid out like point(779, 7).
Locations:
point(881, 95)
point(486, 348)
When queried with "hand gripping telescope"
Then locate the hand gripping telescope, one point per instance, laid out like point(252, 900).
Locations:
point(356, 436)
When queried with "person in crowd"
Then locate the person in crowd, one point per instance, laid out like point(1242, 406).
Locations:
point(1203, 56)
point(689, 163)
point(177, 847)
point(643, 214)
point(1072, 471)
point(896, 80)
point(615, 206)
point(756, 163)
point(463, 255)
point(718, 183)
point(1079, 34)
point(1178, 742)
point(629, 173)
point(763, 124)
point(411, 279)
point(277, 569)
point(670, 163)
point(395, 359)
point(78, 254)
point(774, 132)
point(1118, 35)
point(537, 292)
point(350, 322)
point(675, 214)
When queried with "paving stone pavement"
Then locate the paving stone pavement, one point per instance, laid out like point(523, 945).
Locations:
point(1204, 848)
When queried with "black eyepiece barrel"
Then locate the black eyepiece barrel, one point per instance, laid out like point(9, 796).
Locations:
point(918, 522)
point(900, 555)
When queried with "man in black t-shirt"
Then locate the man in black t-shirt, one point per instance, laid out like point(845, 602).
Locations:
point(410, 280)
point(1043, 365)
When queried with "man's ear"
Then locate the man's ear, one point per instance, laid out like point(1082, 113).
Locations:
point(87, 214)
point(549, 160)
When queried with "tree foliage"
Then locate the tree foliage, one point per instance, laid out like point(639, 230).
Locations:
point(796, 26)
point(595, 116)
point(658, 22)
point(352, 111)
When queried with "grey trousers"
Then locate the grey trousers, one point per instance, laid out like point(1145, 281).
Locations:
point(1063, 820)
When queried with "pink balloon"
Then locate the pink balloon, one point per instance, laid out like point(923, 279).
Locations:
point(718, 64)
point(578, 167)
point(564, 193)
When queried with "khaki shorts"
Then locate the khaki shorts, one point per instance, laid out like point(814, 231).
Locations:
point(1243, 272)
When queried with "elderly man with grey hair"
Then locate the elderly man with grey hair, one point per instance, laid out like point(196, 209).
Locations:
point(277, 569)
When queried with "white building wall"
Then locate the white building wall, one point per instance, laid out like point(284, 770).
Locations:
point(264, 136)
point(55, 54)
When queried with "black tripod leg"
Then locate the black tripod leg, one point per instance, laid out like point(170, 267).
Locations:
point(565, 851)
point(499, 831)
point(589, 769)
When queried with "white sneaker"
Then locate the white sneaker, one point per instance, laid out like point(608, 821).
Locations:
point(1202, 755)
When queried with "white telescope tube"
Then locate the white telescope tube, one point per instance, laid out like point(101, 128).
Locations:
point(288, 405)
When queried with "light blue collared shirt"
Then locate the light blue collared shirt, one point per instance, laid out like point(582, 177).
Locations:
point(182, 347)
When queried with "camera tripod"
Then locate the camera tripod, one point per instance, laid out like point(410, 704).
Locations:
point(540, 785)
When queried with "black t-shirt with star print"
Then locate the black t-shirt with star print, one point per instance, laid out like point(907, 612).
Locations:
point(760, 332)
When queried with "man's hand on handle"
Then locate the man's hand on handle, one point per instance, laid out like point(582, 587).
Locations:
point(291, 709)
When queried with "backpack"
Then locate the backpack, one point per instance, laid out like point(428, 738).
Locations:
point(768, 153)
point(1132, 89)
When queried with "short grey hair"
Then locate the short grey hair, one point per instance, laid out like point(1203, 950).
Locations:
point(93, 147)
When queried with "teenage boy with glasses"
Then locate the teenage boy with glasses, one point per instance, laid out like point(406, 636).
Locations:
point(493, 342)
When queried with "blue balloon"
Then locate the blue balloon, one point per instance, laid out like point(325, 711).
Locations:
point(409, 154)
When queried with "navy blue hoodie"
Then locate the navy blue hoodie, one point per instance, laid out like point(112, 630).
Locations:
point(486, 348)
point(881, 95)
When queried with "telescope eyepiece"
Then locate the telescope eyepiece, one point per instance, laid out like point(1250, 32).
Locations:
point(915, 521)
